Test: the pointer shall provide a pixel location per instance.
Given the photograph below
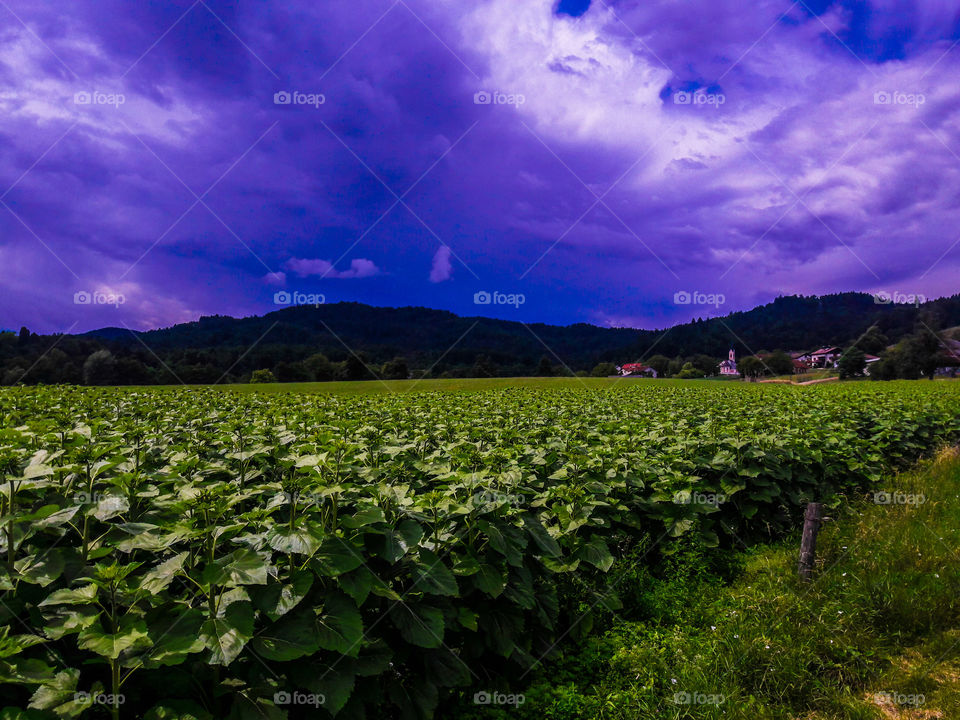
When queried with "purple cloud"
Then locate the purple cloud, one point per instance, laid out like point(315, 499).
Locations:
point(442, 268)
point(304, 267)
point(192, 156)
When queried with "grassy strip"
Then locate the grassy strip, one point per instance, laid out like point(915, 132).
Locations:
point(874, 636)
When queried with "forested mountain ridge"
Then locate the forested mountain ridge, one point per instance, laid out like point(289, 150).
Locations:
point(222, 348)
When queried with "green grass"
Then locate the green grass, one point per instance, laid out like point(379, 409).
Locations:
point(365, 387)
point(808, 376)
point(882, 616)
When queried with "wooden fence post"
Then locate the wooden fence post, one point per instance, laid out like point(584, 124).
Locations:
point(808, 545)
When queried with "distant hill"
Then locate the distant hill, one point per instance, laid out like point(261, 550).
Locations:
point(788, 323)
point(230, 348)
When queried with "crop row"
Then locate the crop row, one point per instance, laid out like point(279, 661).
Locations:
point(200, 554)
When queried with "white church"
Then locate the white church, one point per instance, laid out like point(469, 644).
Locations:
point(729, 366)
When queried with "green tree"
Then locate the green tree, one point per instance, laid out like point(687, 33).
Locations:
point(545, 368)
point(484, 367)
point(660, 363)
point(689, 371)
point(706, 364)
point(603, 369)
point(396, 369)
point(751, 367)
point(319, 367)
point(852, 363)
point(873, 341)
point(292, 372)
point(355, 368)
point(922, 353)
point(779, 363)
point(262, 376)
point(99, 368)
point(14, 375)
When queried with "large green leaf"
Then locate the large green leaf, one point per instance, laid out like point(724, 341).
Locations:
point(131, 635)
point(420, 625)
point(290, 638)
point(358, 584)
point(540, 536)
point(335, 557)
point(79, 596)
point(302, 539)
point(335, 683)
point(340, 625)
point(490, 580)
point(157, 579)
point(58, 691)
point(226, 635)
point(241, 567)
point(41, 569)
point(596, 553)
point(279, 598)
point(433, 577)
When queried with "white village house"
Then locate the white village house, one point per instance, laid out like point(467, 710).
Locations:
point(637, 370)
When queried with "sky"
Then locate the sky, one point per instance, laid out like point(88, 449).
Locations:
point(619, 163)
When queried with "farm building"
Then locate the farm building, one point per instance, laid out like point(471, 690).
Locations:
point(950, 357)
point(824, 357)
point(637, 370)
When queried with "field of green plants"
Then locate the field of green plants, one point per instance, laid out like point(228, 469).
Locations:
point(175, 554)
